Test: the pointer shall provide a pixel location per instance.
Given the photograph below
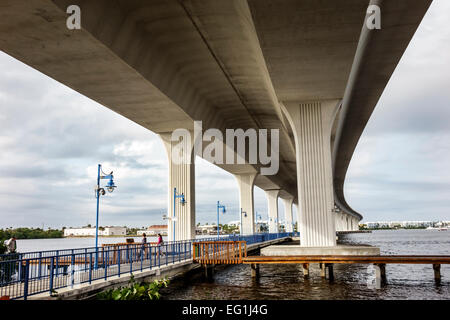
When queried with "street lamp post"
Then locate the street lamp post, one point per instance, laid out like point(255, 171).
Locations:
point(241, 229)
point(256, 221)
point(183, 202)
point(98, 192)
point(219, 206)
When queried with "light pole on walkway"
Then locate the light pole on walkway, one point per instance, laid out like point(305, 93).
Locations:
point(241, 229)
point(219, 206)
point(256, 221)
point(99, 191)
point(182, 201)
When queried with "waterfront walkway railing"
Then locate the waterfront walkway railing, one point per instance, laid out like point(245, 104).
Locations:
point(30, 273)
point(219, 252)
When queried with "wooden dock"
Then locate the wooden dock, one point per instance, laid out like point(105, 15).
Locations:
point(326, 263)
point(229, 252)
point(381, 259)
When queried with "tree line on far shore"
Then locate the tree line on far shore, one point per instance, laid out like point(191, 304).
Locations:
point(27, 233)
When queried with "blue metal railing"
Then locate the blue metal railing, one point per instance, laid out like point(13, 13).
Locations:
point(25, 274)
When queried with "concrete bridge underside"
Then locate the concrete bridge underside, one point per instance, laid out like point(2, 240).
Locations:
point(311, 69)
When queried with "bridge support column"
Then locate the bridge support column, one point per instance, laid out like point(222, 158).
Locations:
point(272, 205)
point(288, 214)
point(380, 275)
point(181, 177)
point(311, 123)
point(338, 222)
point(246, 201)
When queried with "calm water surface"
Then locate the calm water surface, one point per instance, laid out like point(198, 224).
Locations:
point(351, 281)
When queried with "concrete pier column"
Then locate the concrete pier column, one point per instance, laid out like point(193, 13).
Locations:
point(311, 123)
point(297, 210)
point(181, 177)
point(272, 205)
point(380, 275)
point(337, 220)
point(246, 201)
point(288, 213)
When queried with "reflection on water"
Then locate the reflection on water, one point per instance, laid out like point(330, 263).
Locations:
point(351, 281)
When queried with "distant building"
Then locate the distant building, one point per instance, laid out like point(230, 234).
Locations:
point(207, 229)
point(90, 232)
point(154, 230)
point(262, 226)
point(236, 223)
point(399, 224)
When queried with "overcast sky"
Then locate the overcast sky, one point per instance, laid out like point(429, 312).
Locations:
point(52, 138)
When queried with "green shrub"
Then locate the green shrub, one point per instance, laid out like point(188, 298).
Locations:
point(135, 291)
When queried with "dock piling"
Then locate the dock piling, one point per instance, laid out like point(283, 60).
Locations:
point(255, 270)
point(322, 270)
point(209, 271)
point(306, 270)
point(329, 271)
point(437, 273)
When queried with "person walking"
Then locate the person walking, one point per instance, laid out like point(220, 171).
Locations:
point(143, 245)
point(160, 243)
point(11, 245)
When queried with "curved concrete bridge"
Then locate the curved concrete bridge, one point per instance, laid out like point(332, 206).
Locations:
point(312, 69)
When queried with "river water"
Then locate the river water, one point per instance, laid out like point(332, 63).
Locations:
point(352, 282)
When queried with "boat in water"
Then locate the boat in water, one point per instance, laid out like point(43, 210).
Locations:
point(438, 228)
